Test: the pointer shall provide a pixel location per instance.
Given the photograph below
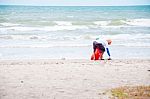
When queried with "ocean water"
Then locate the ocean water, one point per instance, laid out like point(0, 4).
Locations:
point(57, 32)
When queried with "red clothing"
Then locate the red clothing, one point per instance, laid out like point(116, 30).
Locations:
point(97, 55)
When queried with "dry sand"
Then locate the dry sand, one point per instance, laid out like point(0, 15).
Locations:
point(69, 79)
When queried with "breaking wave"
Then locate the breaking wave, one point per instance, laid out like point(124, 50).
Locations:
point(47, 28)
point(76, 41)
point(138, 22)
point(63, 23)
point(127, 22)
point(8, 24)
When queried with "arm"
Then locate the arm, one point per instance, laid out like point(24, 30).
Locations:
point(108, 52)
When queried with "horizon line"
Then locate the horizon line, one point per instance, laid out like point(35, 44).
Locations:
point(71, 5)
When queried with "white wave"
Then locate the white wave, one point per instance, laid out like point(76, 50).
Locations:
point(24, 37)
point(102, 23)
point(56, 28)
point(6, 37)
point(63, 23)
point(9, 24)
point(123, 23)
point(126, 37)
point(121, 37)
point(46, 38)
point(59, 44)
point(115, 27)
point(70, 16)
point(86, 37)
point(50, 28)
point(44, 45)
point(133, 44)
point(138, 22)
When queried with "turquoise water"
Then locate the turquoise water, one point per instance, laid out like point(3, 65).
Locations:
point(59, 31)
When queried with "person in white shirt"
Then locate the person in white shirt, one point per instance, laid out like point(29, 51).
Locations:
point(102, 45)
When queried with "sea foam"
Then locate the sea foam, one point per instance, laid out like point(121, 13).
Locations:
point(138, 22)
point(102, 23)
point(46, 28)
point(9, 24)
point(63, 23)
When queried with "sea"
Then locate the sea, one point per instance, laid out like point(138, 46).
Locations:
point(67, 32)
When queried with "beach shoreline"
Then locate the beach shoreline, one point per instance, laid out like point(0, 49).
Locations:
point(69, 79)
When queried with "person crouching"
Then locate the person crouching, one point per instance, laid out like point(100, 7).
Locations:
point(99, 47)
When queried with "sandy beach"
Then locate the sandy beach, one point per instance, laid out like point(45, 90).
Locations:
point(69, 79)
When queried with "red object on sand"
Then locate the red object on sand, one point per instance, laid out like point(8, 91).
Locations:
point(97, 55)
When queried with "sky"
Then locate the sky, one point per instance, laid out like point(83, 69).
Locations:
point(75, 2)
